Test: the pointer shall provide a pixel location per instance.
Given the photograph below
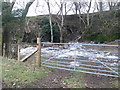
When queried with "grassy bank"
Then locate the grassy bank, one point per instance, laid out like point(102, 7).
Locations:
point(16, 73)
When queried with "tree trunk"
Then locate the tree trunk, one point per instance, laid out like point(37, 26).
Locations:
point(61, 34)
point(27, 8)
point(50, 21)
point(81, 19)
point(6, 31)
point(101, 7)
point(22, 25)
point(62, 23)
point(88, 19)
point(6, 42)
point(65, 9)
point(76, 7)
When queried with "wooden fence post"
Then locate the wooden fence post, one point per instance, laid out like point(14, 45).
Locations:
point(38, 58)
point(18, 51)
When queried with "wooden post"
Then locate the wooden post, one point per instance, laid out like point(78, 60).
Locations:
point(18, 52)
point(38, 61)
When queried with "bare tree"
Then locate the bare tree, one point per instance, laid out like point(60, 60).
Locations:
point(76, 6)
point(60, 18)
point(69, 9)
point(50, 20)
point(62, 22)
point(65, 8)
point(89, 7)
point(27, 8)
point(80, 4)
point(112, 4)
point(101, 6)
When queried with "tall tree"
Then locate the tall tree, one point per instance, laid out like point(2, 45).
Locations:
point(7, 18)
point(62, 22)
point(0, 27)
point(23, 18)
point(112, 4)
point(88, 11)
point(50, 20)
point(86, 25)
point(60, 18)
point(76, 7)
point(101, 6)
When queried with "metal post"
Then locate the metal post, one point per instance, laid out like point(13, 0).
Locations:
point(38, 58)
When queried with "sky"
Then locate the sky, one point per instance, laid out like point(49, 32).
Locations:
point(39, 7)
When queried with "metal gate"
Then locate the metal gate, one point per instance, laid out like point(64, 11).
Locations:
point(100, 59)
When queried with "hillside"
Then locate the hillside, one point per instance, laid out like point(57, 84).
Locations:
point(103, 27)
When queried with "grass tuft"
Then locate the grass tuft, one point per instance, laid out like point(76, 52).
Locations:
point(75, 82)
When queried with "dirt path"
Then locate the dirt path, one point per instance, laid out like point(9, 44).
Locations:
point(52, 80)
point(55, 78)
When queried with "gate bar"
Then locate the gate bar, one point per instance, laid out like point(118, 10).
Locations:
point(82, 71)
point(81, 44)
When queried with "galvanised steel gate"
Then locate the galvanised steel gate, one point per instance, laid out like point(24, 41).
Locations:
point(100, 59)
